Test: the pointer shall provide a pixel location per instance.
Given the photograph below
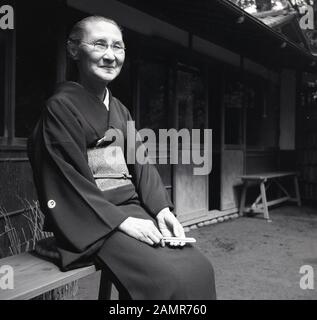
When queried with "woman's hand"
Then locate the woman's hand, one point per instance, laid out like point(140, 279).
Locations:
point(141, 229)
point(170, 226)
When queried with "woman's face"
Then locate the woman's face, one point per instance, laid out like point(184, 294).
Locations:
point(95, 65)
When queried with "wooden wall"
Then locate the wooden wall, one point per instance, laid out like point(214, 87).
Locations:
point(261, 161)
point(306, 148)
point(287, 110)
point(232, 167)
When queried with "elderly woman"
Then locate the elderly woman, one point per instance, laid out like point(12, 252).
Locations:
point(106, 211)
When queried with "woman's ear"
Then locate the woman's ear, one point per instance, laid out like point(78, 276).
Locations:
point(72, 49)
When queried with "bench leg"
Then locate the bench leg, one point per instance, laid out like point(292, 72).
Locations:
point(104, 287)
point(299, 203)
point(264, 202)
point(243, 196)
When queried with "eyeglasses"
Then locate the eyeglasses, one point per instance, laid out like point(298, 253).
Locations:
point(101, 46)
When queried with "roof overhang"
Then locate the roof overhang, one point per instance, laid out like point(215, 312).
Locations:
point(223, 23)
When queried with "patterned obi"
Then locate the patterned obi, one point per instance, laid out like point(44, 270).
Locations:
point(109, 167)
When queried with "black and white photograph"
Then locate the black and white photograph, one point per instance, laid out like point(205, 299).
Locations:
point(158, 151)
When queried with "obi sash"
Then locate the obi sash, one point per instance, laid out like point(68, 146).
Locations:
point(109, 167)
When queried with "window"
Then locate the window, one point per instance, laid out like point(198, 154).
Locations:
point(27, 72)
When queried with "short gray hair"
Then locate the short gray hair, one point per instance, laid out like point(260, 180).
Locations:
point(76, 32)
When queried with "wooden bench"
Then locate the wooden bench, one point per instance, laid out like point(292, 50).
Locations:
point(265, 180)
point(34, 276)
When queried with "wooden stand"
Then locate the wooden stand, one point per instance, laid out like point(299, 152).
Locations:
point(265, 180)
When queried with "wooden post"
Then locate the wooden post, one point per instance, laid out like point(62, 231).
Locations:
point(243, 196)
point(299, 203)
point(264, 202)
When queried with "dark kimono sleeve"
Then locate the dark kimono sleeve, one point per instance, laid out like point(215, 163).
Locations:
point(75, 209)
point(149, 185)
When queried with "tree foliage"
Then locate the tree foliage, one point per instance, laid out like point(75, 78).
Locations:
point(265, 5)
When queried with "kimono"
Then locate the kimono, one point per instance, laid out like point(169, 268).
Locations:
point(84, 203)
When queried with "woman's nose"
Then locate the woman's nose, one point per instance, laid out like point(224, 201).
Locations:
point(109, 54)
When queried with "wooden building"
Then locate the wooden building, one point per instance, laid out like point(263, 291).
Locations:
point(189, 64)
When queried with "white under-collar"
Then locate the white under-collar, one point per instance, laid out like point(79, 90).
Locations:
point(106, 100)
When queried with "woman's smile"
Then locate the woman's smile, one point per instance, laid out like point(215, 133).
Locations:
point(93, 65)
point(109, 68)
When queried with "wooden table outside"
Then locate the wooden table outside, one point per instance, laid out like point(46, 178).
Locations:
point(265, 180)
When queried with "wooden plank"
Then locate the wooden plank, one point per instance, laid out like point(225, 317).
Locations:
point(262, 178)
point(259, 198)
point(34, 276)
point(268, 175)
point(212, 214)
point(277, 201)
point(264, 201)
point(273, 202)
point(191, 193)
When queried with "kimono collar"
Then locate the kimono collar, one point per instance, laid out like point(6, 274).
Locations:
point(90, 106)
point(106, 100)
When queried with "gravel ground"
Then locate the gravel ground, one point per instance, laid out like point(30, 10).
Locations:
point(253, 259)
